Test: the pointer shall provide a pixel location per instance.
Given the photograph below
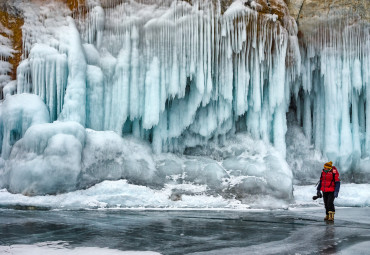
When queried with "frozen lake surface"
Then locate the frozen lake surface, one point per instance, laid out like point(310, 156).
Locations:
point(293, 231)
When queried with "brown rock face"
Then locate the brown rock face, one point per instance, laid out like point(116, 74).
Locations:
point(14, 24)
point(74, 4)
point(311, 13)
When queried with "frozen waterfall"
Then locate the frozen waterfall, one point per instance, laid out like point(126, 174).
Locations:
point(165, 93)
point(177, 75)
point(332, 91)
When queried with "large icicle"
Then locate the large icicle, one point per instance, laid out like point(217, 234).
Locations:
point(74, 108)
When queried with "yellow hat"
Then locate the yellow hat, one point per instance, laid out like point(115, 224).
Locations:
point(328, 165)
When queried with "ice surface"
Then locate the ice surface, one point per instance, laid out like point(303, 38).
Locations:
point(61, 248)
point(202, 231)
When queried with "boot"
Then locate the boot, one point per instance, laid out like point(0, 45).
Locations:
point(326, 217)
point(331, 216)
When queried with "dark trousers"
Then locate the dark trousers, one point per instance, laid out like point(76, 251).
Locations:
point(329, 201)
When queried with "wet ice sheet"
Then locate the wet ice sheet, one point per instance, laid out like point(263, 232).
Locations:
point(59, 248)
point(309, 234)
point(291, 231)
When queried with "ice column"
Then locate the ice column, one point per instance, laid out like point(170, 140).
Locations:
point(336, 76)
point(74, 108)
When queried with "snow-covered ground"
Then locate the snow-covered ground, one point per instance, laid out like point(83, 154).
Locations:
point(350, 195)
point(122, 195)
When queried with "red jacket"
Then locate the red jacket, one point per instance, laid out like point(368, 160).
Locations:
point(327, 181)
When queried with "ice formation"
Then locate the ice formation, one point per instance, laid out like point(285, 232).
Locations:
point(6, 52)
point(58, 157)
point(213, 87)
point(332, 92)
point(18, 113)
point(177, 75)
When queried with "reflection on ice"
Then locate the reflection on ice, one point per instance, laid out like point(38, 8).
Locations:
point(301, 231)
point(61, 248)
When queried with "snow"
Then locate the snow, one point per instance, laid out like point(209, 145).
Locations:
point(350, 195)
point(122, 195)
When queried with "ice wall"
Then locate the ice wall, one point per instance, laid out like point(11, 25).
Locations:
point(176, 74)
point(182, 76)
point(332, 91)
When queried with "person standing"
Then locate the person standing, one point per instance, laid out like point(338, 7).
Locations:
point(329, 184)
